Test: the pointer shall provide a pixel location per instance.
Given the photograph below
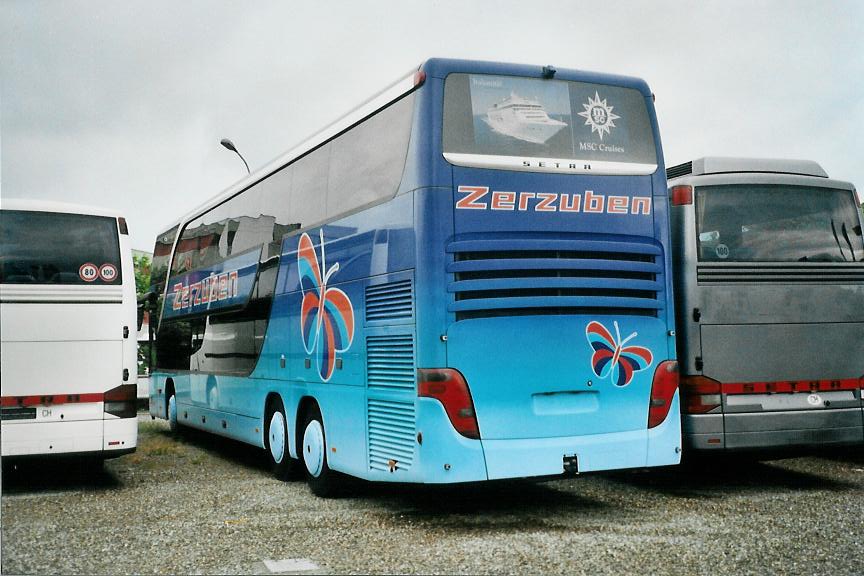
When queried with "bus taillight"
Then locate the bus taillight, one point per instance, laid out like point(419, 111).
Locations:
point(680, 195)
point(121, 401)
point(449, 387)
point(662, 391)
point(699, 394)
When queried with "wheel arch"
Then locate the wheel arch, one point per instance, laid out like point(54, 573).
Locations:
point(169, 391)
point(269, 408)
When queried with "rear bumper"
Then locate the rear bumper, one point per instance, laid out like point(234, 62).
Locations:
point(445, 457)
point(766, 430)
point(659, 446)
point(106, 438)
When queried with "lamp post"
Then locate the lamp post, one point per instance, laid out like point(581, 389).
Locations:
point(230, 146)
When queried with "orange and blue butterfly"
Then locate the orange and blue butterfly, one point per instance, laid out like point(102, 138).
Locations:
point(326, 313)
point(612, 357)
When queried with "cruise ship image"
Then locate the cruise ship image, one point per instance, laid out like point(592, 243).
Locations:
point(523, 119)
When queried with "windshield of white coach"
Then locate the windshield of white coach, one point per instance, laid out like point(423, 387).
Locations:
point(54, 248)
point(515, 122)
point(777, 223)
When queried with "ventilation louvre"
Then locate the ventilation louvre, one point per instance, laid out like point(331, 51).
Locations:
point(390, 302)
point(391, 435)
point(390, 362)
point(496, 275)
point(679, 170)
point(777, 273)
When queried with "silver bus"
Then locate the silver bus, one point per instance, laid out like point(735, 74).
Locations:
point(768, 262)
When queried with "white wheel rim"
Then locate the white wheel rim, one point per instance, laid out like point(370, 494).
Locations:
point(276, 434)
point(313, 448)
point(172, 410)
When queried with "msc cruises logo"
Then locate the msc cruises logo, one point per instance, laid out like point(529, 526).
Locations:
point(598, 114)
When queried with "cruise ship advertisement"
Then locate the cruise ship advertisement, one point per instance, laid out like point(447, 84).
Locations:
point(528, 122)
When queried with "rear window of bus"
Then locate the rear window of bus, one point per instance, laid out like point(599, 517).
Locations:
point(521, 117)
point(777, 223)
point(55, 248)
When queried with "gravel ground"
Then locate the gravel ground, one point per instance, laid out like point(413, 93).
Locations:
point(196, 504)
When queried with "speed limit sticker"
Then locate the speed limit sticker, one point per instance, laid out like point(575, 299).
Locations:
point(108, 272)
point(88, 272)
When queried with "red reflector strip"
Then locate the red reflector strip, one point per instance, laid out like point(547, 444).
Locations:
point(114, 443)
point(790, 386)
point(51, 399)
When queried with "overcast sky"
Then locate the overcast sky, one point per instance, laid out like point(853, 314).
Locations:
point(122, 103)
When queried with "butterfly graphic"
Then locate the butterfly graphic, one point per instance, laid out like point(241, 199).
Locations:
point(326, 314)
point(612, 357)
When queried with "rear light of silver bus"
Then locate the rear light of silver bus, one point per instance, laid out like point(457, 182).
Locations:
point(680, 195)
point(449, 387)
point(699, 394)
point(662, 392)
point(122, 401)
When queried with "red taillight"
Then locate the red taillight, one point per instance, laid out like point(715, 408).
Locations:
point(121, 401)
point(680, 195)
point(699, 394)
point(662, 391)
point(448, 386)
point(419, 78)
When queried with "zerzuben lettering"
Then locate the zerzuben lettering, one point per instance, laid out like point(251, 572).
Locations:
point(479, 198)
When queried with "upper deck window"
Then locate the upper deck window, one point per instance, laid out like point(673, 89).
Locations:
point(518, 123)
point(55, 248)
point(777, 223)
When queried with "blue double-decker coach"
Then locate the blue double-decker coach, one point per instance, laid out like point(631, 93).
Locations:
point(465, 279)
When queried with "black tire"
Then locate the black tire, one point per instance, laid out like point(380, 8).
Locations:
point(284, 467)
point(321, 479)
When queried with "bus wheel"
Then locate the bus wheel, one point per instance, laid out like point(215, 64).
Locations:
point(276, 442)
point(172, 413)
point(322, 481)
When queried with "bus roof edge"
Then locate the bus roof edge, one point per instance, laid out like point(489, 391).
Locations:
point(727, 165)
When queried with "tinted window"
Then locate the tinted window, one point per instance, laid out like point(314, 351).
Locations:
point(309, 191)
point(159, 266)
point(366, 163)
point(54, 248)
point(531, 118)
point(218, 244)
point(362, 166)
point(772, 223)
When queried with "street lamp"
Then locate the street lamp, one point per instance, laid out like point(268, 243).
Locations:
point(230, 146)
